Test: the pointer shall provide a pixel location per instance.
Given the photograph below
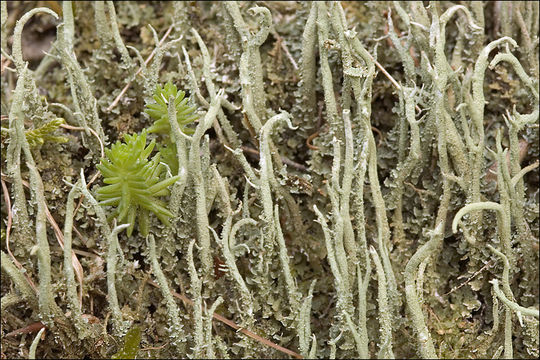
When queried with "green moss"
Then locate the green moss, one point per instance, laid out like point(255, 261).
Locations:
point(43, 134)
point(134, 182)
point(159, 113)
point(132, 344)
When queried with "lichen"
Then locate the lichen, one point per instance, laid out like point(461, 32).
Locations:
point(359, 179)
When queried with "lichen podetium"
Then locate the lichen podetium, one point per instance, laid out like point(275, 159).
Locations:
point(326, 179)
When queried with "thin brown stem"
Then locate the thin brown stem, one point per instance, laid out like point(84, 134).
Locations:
point(117, 99)
point(235, 326)
point(8, 232)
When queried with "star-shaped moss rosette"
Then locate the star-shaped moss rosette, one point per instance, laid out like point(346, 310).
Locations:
point(159, 110)
point(134, 182)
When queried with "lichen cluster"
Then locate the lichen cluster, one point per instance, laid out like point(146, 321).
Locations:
point(361, 180)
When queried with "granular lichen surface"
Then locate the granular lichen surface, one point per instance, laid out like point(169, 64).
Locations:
point(277, 179)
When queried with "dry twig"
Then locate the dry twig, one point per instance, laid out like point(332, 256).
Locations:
point(60, 238)
point(236, 327)
point(8, 232)
point(117, 99)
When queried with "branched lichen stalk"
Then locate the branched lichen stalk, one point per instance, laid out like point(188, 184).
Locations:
point(362, 309)
point(383, 228)
point(83, 99)
point(304, 326)
point(308, 70)
point(232, 137)
point(196, 287)
point(404, 54)
point(385, 344)
point(227, 242)
point(4, 17)
point(179, 141)
point(266, 168)
point(425, 342)
point(332, 343)
point(69, 24)
point(102, 25)
point(503, 221)
point(362, 93)
point(508, 347)
point(343, 291)
point(112, 245)
point(407, 165)
point(21, 220)
point(21, 284)
point(355, 335)
point(176, 331)
point(512, 305)
point(199, 184)
point(337, 231)
point(17, 34)
point(348, 170)
point(74, 305)
point(294, 296)
point(228, 245)
point(326, 73)
point(210, 354)
point(193, 84)
point(112, 241)
point(47, 306)
point(426, 347)
point(8, 300)
point(251, 79)
point(35, 342)
point(151, 74)
point(516, 123)
point(476, 109)
point(126, 59)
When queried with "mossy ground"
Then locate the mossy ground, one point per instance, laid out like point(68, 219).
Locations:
point(453, 284)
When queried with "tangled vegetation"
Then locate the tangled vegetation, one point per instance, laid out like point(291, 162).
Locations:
point(339, 179)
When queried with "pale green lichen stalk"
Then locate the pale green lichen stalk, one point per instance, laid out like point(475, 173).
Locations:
point(297, 179)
